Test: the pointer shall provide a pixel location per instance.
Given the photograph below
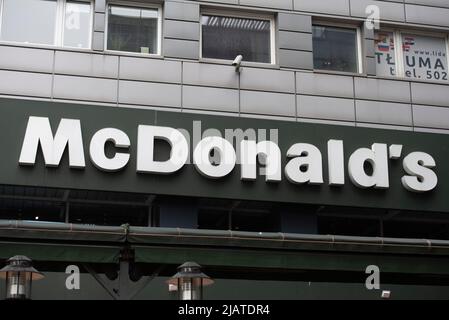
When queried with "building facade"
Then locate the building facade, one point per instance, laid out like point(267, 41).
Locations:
point(104, 105)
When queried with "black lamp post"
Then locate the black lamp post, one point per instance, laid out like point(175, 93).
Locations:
point(190, 281)
point(19, 273)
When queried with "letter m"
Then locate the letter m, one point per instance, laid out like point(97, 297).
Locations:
point(39, 132)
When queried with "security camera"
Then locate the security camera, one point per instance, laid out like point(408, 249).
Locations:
point(237, 63)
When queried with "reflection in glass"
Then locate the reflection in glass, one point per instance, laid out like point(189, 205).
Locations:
point(77, 24)
point(335, 49)
point(29, 21)
point(133, 29)
point(228, 37)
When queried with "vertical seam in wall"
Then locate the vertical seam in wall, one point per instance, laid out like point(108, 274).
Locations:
point(53, 75)
point(355, 101)
point(118, 81)
point(296, 97)
point(293, 5)
point(182, 86)
point(239, 93)
point(411, 105)
point(349, 9)
point(405, 12)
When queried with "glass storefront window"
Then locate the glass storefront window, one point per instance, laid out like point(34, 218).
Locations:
point(335, 49)
point(424, 57)
point(385, 54)
point(133, 30)
point(226, 37)
point(38, 22)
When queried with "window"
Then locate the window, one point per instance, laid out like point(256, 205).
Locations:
point(419, 56)
point(77, 27)
point(335, 49)
point(385, 54)
point(39, 22)
point(133, 29)
point(225, 37)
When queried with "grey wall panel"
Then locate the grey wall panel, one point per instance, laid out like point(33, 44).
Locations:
point(296, 59)
point(267, 80)
point(295, 22)
point(324, 85)
point(338, 7)
point(431, 117)
point(331, 122)
point(384, 126)
point(98, 39)
point(187, 11)
point(83, 88)
point(235, 2)
point(267, 103)
point(384, 112)
point(210, 75)
point(267, 117)
point(148, 69)
point(150, 94)
point(430, 130)
point(86, 64)
point(182, 30)
point(383, 90)
point(326, 108)
point(388, 10)
point(99, 22)
point(181, 49)
point(278, 4)
point(26, 84)
point(368, 33)
point(436, 3)
point(100, 5)
point(210, 99)
point(370, 66)
point(369, 48)
point(26, 59)
point(431, 94)
point(427, 15)
point(295, 40)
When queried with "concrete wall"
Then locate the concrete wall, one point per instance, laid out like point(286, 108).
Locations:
point(290, 90)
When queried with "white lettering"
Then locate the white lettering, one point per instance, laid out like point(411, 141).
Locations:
point(39, 132)
point(306, 165)
point(97, 149)
point(420, 178)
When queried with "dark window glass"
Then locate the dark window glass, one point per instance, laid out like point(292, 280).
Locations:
point(133, 29)
point(335, 49)
point(108, 215)
point(228, 37)
point(255, 221)
point(213, 220)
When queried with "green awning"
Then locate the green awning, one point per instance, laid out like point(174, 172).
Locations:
point(60, 252)
point(325, 261)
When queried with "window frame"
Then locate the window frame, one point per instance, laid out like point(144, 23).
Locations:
point(242, 15)
point(359, 47)
point(140, 6)
point(58, 37)
point(399, 51)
